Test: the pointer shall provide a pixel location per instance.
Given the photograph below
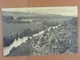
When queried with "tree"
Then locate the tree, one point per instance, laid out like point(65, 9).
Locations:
point(74, 21)
point(64, 23)
point(27, 32)
point(8, 40)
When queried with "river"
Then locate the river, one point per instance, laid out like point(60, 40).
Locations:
point(16, 43)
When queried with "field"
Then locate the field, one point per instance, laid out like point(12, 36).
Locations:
point(13, 29)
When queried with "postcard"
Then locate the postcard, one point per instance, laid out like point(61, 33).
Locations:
point(39, 31)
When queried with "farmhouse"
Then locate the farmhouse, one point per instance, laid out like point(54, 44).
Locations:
point(27, 20)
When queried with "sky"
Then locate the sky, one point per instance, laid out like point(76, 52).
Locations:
point(62, 10)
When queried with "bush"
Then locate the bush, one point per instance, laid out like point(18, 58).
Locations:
point(74, 21)
point(36, 31)
point(64, 23)
point(27, 32)
point(8, 40)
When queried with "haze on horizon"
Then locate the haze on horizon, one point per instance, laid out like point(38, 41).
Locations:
point(65, 10)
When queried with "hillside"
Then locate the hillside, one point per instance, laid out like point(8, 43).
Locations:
point(63, 40)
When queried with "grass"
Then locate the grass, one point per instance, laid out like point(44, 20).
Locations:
point(12, 28)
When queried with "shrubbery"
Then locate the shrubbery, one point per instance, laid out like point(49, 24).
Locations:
point(10, 39)
point(64, 23)
point(74, 21)
point(7, 18)
point(27, 32)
